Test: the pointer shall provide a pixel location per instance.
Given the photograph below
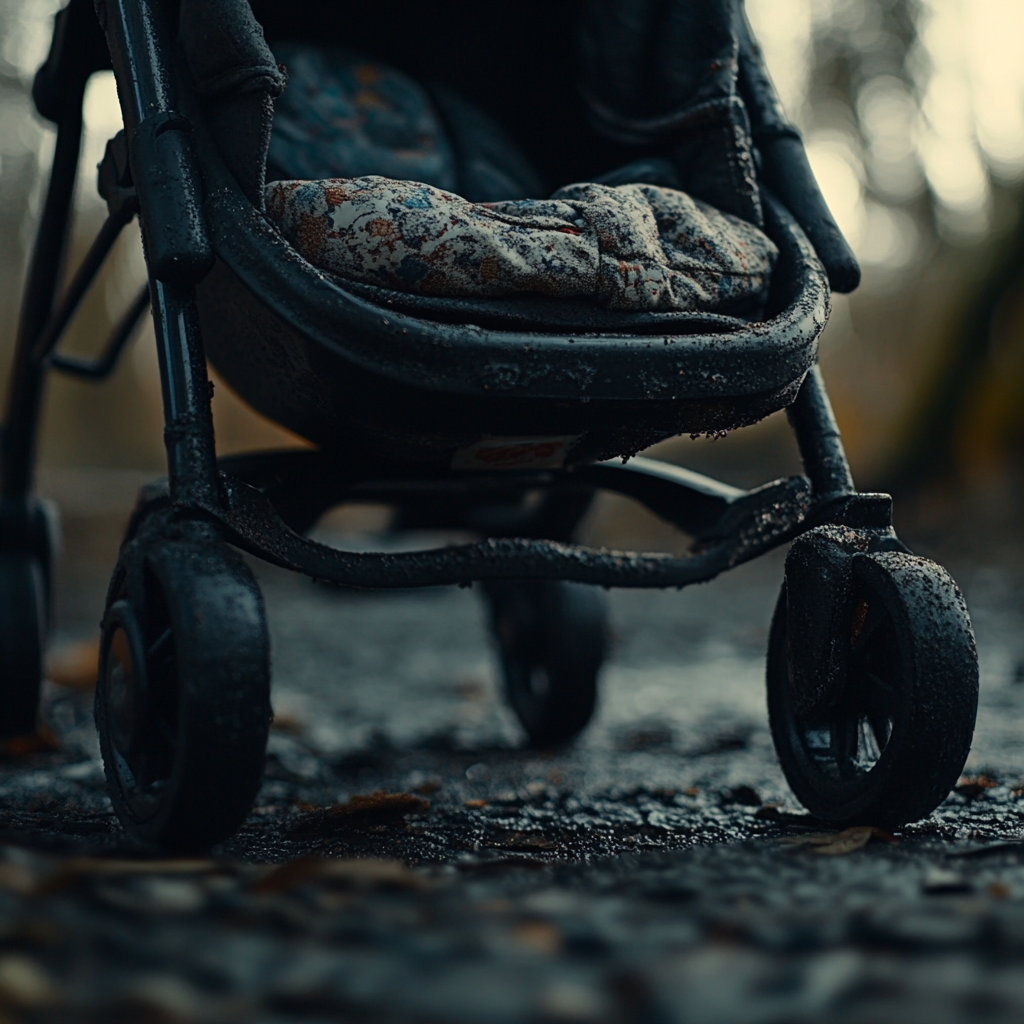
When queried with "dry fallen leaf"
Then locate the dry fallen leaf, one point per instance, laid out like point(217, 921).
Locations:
point(101, 866)
point(839, 843)
point(359, 874)
point(290, 725)
point(379, 808)
point(973, 786)
point(75, 868)
point(538, 936)
point(17, 878)
point(521, 841)
point(43, 741)
point(75, 666)
point(24, 985)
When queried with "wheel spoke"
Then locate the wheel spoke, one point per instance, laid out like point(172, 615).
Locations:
point(881, 727)
point(880, 699)
point(868, 747)
point(159, 644)
point(880, 684)
point(844, 735)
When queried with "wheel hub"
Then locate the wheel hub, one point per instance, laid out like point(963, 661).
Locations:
point(125, 679)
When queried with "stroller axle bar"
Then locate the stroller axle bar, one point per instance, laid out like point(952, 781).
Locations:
point(773, 515)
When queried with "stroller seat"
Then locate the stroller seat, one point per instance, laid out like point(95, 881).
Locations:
point(313, 350)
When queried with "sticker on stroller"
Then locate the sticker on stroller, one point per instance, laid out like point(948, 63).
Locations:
point(515, 453)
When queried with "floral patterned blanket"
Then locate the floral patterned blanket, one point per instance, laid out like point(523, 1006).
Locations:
point(631, 247)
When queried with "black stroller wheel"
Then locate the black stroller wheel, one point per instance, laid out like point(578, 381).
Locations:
point(552, 638)
point(22, 640)
point(890, 745)
point(182, 703)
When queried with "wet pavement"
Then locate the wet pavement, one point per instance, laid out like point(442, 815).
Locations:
point(659, 871)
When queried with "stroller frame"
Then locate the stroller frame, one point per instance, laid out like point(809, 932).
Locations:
point(757, 521)
point(264, 503)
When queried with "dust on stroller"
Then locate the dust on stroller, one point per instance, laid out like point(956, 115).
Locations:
point(479, 312)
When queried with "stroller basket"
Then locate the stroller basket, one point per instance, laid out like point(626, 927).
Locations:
point(498, 417)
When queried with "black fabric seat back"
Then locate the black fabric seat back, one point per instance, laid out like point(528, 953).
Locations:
point(517, 59)
point(582, 86)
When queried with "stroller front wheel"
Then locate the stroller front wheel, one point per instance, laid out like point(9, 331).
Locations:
point(182, 702)
point(890, 742)
point(552, 638)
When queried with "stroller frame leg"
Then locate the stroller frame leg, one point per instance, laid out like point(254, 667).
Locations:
point(186, 388)
point(178, 251)
point(25, 530)
point(817, 436)
point(182, 253)
point(834, 497)
point(29, 372)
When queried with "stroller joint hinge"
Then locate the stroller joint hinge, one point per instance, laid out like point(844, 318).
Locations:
point(857, 511)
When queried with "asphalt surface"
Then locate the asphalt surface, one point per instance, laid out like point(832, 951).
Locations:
point(659, 871)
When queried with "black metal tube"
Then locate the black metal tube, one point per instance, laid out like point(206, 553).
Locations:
point(80, 283)
point(97, 369)
point(253, 524)
point(819, 440)
point(137, 33)
point(188, 421)
point(28, 374)
point(139, 54)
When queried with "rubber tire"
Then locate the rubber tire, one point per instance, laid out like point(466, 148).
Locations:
point(932, 664)
point(23, 600)
point(555, 634)
point(213, 689)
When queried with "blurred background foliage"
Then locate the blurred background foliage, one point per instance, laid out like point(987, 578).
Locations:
point(913, 111)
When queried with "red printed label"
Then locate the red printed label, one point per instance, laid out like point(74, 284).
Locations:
point(515, 453)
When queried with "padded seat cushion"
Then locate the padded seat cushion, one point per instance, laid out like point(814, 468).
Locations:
point(633, 247)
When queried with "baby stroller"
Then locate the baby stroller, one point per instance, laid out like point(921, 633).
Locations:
point(499, 417)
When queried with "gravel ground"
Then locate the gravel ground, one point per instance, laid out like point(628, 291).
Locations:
point(658, 872)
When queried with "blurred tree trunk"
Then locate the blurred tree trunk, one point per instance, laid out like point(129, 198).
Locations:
point(970, 413)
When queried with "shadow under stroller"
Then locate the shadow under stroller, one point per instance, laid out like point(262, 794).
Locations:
point(499, 417)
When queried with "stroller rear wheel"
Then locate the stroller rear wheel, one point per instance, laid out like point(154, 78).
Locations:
point(552, 638)
point(22, 640)
point(24, 619)
point(182, 704)
point(890, 742)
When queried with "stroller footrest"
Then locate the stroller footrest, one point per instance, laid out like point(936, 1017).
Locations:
point(254, 525)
